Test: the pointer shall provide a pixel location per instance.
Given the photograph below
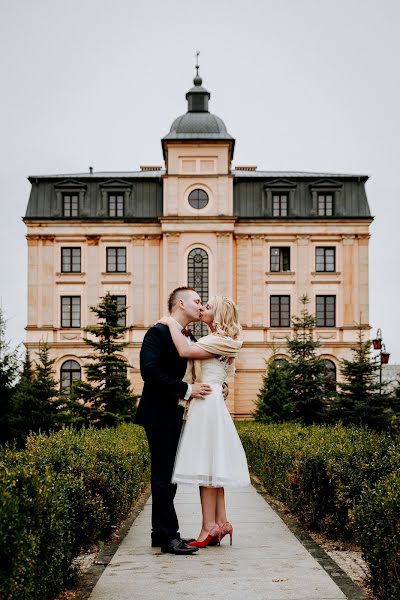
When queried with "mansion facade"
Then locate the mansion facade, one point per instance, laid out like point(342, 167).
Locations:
point(263, 238)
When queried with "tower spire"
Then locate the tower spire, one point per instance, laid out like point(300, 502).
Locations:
point(197, 80)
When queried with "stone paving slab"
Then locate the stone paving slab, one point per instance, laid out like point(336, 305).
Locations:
point(263, 550)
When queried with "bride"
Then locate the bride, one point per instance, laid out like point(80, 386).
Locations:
point(210, 453)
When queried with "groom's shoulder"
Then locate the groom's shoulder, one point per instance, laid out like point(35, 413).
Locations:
point(158, 330)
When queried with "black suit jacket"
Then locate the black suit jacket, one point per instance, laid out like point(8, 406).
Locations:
point(162, 371)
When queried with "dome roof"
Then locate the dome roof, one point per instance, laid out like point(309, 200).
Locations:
point(198, 123)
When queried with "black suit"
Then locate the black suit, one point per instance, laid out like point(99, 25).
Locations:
point(162, 371)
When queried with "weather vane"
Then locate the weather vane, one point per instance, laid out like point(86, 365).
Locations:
point(197, 62)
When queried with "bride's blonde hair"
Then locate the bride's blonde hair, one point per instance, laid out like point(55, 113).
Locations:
point(226, 318)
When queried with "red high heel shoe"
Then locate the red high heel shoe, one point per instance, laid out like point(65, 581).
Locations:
point(214, 535)
point(226, 529)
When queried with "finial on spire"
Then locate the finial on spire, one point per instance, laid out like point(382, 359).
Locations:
point(197, 80)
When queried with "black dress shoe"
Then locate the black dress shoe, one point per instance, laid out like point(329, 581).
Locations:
point(157, 542)
point(177, 547)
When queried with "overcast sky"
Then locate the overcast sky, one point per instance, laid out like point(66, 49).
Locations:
point(308, 85)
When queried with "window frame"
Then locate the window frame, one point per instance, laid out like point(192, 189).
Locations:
point(280, 196)
point(70, 326)
point(325, 249)
point(71, 249)
point(280, 259)
point(70, 195)
point(65, 390)
point(325, 195)
point(116, 196)
point(117, 250)
point(122, 319)
point(190, 200)
point(325, 324)
point(280, 316)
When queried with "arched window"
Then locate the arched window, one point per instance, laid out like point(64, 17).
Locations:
point(70, 371)
point(198, 280)
point(281, 362)
point(198, 199)
point(330, 374)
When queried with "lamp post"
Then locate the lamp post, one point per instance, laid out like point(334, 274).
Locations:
point(383, 355)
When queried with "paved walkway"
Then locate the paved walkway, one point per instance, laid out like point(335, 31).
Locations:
point(266, 561)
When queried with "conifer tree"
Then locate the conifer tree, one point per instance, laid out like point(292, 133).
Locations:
point(9, 365)
point(273, 405)
point(106, 396)
point(361, 400)
point(35, 403)
point(307, 372)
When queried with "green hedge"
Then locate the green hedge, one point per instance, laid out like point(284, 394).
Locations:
point(64, 492)
point(344, 482)
point(377, 525)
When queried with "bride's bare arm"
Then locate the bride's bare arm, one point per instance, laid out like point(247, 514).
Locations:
point(184, 349)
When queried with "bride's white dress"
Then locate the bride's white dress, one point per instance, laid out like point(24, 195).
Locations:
point(210, 452)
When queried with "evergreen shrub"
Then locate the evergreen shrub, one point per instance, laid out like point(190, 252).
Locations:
point(343, 481)
point(320, 472)
point(377, 526)
point(62, 493)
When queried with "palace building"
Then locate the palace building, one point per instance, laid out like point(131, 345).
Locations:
point(263, 238)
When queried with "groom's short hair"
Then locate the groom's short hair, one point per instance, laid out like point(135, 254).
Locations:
point(175, 295)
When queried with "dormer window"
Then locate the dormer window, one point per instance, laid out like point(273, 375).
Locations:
point(280, 205)
point(325, 204)
point(116, 205)
point(278, 199)
point(326, 198)
point(71, 205)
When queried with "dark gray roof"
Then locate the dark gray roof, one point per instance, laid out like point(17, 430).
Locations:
point(103, 175)
point(297, 174)
point(195, 125)
point(235, 172)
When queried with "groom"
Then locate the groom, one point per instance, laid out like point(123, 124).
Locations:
point(162, 370)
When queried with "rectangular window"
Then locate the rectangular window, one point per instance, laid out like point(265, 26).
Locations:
point(325, 260)
point(325, 205)
point(279, 205)
point(280, 259)
point(280, 311)
point(325, 311)
point(70, 260)
point(70, 205)
point(70, 311)
point(121, 303)
point(116, 260)
point(115, 205)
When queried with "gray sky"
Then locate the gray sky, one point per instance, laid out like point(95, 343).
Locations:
point(302, 85)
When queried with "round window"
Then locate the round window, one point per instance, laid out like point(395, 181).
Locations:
point(198, 199)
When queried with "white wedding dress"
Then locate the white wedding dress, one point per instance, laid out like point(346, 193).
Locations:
point(210, 452)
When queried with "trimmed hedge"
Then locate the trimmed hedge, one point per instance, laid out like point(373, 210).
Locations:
point(63, 493)
point(344, 482)
point(377, 525)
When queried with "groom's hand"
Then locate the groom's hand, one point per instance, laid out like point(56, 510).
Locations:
point(225, 391)
point(200, 390)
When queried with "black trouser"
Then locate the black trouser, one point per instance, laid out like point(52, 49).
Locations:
point(163, 442)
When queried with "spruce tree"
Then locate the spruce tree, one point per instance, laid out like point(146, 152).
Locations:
point(361, 400)
point(35, 402)
point(273, 405)
point(105, 398)
point(9, 365)
point(306, 371)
